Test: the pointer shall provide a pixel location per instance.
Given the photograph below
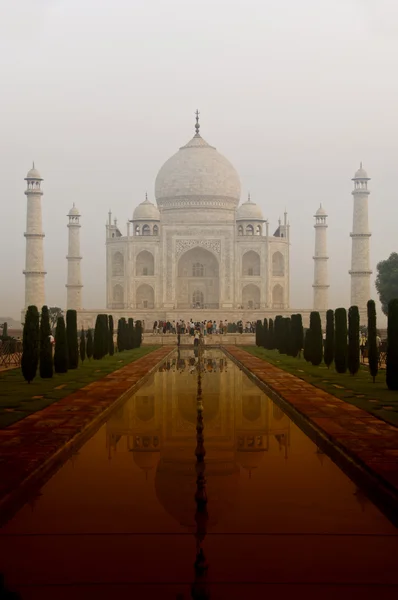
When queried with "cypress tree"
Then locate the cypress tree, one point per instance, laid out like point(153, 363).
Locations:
point(46, 350)
point(120, 334)
point(299, 335)
point(278, 327)
point(271, 342)
point(61, 347)
point(5, 331)
point(307, 345)
point(90, 344)
point(130, 334)
point(110, 336)
point(105, 334)
point(373, 357)
point(259, 333)
point(71, 336)
point(265, 333)
point(30, 344)
point(98, 334)
point(353, 339)
point(328, 351)
point(82, 345)
point(316, 341)
point(340, 340)
point(392, 346)
point(125, 335)
point(287, 336)
point(138, 334)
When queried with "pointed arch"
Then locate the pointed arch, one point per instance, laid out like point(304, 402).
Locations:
point(278, 264)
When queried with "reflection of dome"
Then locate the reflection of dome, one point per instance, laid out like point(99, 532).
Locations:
point(197, 169)
point(146, 460)
point(175, 486)
point(249, 211)
point(249, 460)
point(251, 407)
point(146, 211)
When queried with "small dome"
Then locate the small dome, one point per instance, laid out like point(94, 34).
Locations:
point(74, 212)
point(249, 211)
point(321, 212)
point(146, 211)
point(361, 173)
point(33, 174)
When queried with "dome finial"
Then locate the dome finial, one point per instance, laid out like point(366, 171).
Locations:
point(146, 196)
point(360, 165)
point(197, 126)
point(248, 197)
point(33, 162)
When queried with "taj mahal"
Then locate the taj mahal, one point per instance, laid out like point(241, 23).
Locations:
point(198, 251)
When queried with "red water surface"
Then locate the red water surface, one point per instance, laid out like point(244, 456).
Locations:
point(120, 517)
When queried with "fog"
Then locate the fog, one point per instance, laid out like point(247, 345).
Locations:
point(99, 94)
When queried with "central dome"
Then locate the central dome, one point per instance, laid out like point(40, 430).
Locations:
point(198, 171)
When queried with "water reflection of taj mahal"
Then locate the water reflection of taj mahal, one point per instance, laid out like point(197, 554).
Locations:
point(158, 427)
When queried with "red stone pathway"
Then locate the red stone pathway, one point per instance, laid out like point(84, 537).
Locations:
point(32, 442)
point(358, 433)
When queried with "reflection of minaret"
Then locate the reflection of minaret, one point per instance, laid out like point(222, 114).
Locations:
point(199, 589)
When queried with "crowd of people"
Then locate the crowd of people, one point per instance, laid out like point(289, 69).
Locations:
point(203, 328)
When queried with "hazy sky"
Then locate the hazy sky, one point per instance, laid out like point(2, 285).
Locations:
point(100, 93)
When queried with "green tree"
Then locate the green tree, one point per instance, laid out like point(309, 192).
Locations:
point(340, 340)
point(4, 335)
point(316, 352)
point(387, 280)
point(265, 333)
point(121, 334)
point(138, 334)
point(71, 337)
point(110, 335)
point(61, 347)
point(373, 355)
point(271, 342)
point(98, 337)
point(392, 346)
point(278, 332)
point(90, 344)
point(105, 333)
point(353, 340)
point(54, 313)
point(328, 355)
point(82, 347)
point(284, 335)
point(259, 333)
point(307, 345)
point(130, 334)
point(30, 344)
point(46, 349)
point(297, 335)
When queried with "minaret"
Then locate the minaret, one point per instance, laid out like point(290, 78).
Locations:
point(34, 264)
point(74, 285)
point(321, 286)
point(360, 260)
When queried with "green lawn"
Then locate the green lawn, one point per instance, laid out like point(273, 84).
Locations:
point(358, 389)
point(18, 398)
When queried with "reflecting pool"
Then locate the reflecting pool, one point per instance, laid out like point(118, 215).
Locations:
point(120, 516)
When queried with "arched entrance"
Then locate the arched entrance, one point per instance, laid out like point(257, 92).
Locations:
point(198, 283)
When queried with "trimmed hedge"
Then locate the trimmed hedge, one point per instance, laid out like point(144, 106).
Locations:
point(30, 344)
point(340, 348)
point(373, 354)
point(353, 340)
point(392, 346)
point(46, 349)
point(71, 336)
point(61, 347)
point(328, 355)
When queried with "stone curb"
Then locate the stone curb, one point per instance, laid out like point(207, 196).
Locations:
point(13, 492)
point(380, 490)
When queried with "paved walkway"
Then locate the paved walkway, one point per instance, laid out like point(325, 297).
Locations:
point(358, 433)
point(32, 442)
